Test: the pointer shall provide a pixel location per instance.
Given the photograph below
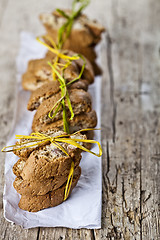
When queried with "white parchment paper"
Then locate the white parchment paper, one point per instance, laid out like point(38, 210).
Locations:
point(83, 208)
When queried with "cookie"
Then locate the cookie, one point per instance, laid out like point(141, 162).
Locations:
point(39, 72)
point(85, 32)
point(81, 121)
point(50, 89)
point(40, 187)
point(24, 153)
point(84, 36)
point(80, 101)
point(88, 72)
point(48, 162)
point(51, 199)
point(18, 166)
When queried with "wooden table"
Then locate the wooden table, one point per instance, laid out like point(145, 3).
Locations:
point(130, 113)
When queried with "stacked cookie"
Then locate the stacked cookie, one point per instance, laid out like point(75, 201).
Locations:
point(84, 36)
point(43, 170)
point(46, 92)
point(39, 72)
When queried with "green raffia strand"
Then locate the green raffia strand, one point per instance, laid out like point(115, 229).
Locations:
point(64, 94)
point(63, 34)
point(65, 30)
point(64, 91)
point(82, 69)
point(61, 101)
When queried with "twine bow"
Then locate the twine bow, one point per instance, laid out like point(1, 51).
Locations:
point(37, 138)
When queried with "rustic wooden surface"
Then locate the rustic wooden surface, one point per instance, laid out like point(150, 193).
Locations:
point(130, 119)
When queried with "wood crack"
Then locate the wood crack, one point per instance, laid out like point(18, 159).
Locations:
point(110, 70)
point(141, 193)
point(92, 234)
point(105, 173)
point(108, 158)
point(147, 198)
point(123, 195)
point(38, 233)
point(114, 233)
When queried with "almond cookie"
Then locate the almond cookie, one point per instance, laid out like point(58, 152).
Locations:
point(80, 101)
point(85, 34)
point(24, 153)
point(49, 161)
point(40, 187)
point(39, 72)
point(88, 72)
point(50, 89)
point(80, 121)
point(18, 166)
point(51, 199)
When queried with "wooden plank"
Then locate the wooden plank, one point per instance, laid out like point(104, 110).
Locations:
point(13, 232)
point(7, 108)
point(121, 175)
point(126, 176)
point(3, 7)
point(65, 233)
point(150, 142)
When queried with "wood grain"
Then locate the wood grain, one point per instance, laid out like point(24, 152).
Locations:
point(130, 119)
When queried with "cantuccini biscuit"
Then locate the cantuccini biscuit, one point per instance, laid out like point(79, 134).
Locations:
point(88, 52)
point(80, 101)
point(25, 152)
point(41, 187)
point(51, 199)
point(85, 32)
point(48, 162)
point(50, 89)
point(39, 72)
point(81, 121)
point(18, 166)
point(45, 171)
point(88, 72)
point(41, 69)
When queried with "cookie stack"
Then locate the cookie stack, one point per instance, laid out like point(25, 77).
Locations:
point(43, 170)
point(39, 72)
point(84, 36)
point(42, 173)
point(45, 92)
